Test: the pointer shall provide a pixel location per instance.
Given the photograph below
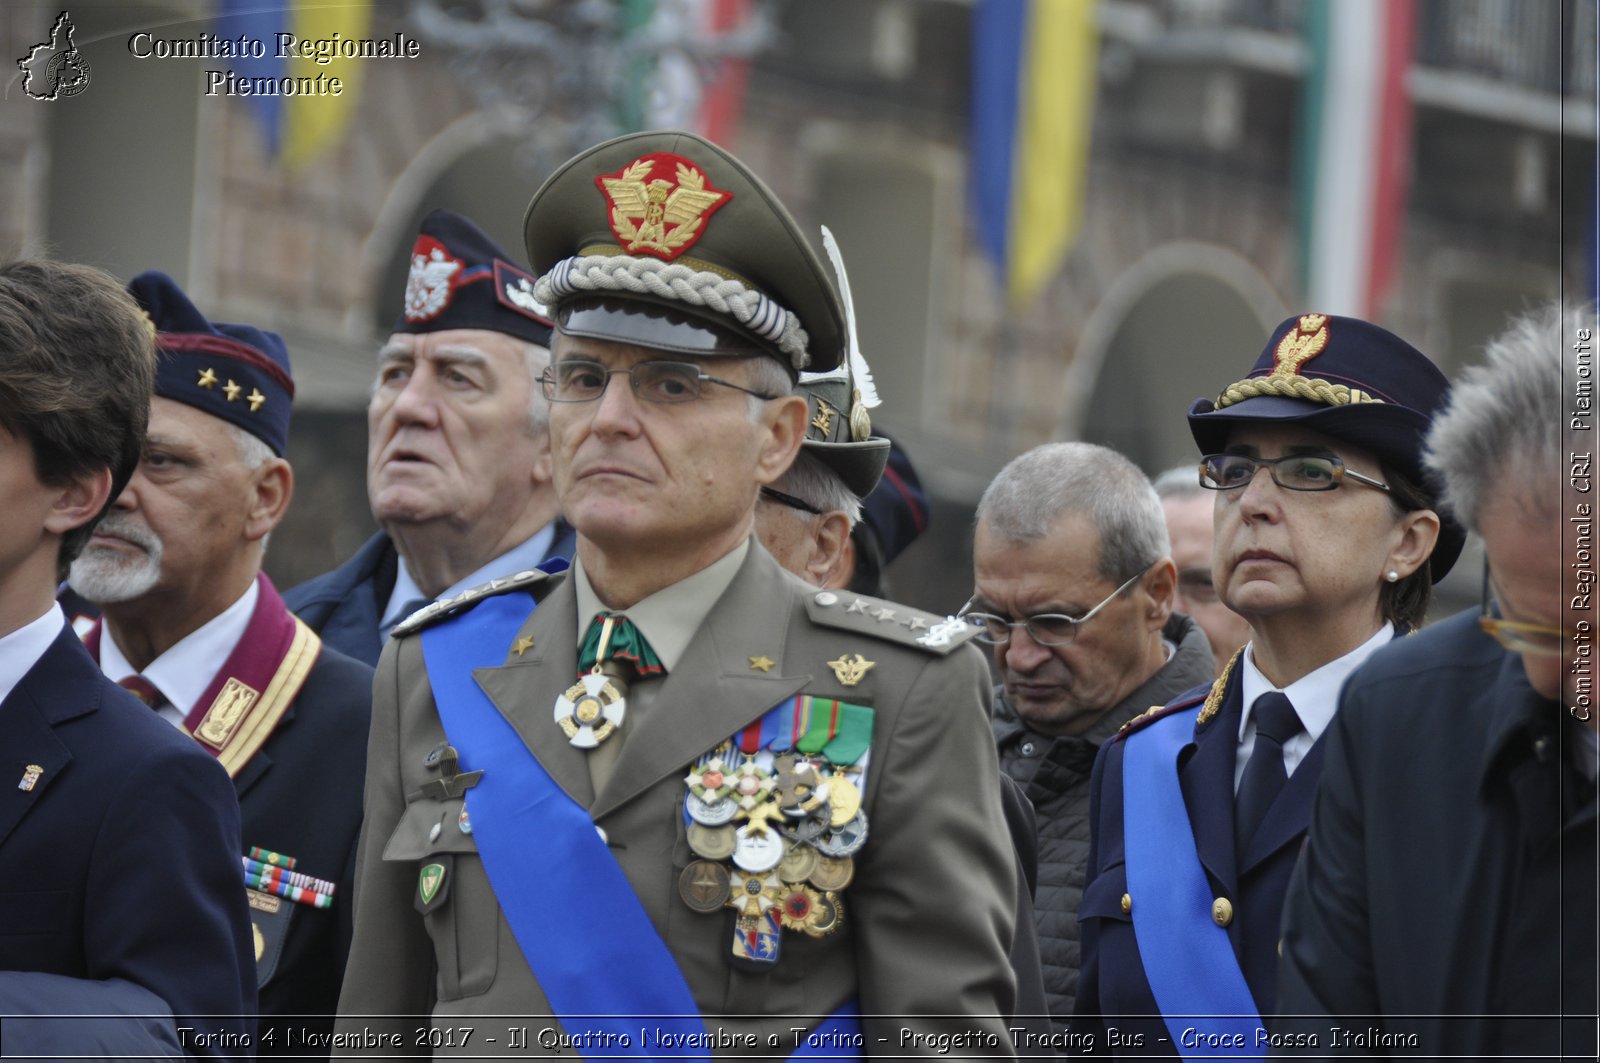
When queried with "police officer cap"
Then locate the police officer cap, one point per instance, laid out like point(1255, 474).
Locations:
point(663, 239)
point(236, 372)
point(461, 279)
point(1349, 379)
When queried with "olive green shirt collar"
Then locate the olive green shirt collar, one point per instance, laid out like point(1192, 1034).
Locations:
point(668, 618)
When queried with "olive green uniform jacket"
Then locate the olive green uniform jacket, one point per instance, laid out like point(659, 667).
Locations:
point(928, 917)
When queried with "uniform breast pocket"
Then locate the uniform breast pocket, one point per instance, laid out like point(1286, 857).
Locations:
point(39, 913)
point(452, 894)
point(1107, 897)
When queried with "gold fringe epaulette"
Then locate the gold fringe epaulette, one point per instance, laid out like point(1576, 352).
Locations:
point(890, 621)
point(1213, 703)
point(431, 614)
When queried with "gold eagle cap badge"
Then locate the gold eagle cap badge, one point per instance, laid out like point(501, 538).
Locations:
point(1300, 344)
point(659, 204)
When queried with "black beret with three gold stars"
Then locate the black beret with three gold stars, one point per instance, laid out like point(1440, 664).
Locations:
point(236, 372)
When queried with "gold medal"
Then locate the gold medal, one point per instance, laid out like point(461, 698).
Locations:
point(798, 863)
point(826, 916)
point(798, 906)
point(833, 873)
point(713, 843)
point(844, 801)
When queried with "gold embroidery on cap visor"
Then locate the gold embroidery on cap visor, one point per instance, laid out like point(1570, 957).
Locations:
point(1299, 345)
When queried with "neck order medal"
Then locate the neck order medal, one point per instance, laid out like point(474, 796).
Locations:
point(591, 710)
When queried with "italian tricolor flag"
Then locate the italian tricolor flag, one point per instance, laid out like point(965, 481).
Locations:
point(1354, 158)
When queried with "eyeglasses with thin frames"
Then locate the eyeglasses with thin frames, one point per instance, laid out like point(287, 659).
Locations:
point(1538, 640)
point(1047, 629)
point(1296, 472)
point(659, 382)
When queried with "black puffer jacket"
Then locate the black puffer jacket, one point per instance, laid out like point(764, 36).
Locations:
point(1054, 774)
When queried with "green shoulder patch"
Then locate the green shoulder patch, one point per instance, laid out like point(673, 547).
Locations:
point(889, 621)
point(431, 614)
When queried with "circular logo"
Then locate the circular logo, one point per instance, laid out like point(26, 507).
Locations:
point(67, 74)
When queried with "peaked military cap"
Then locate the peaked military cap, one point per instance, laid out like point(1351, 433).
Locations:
point(236, 372)
point(1349, 379)
point(664, 239)
point(461, 279)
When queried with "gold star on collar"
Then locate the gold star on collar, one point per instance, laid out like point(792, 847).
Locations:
point(232, 390)
point(208, 378)
point(257, 400)
point(522, 645)
point(762, 664)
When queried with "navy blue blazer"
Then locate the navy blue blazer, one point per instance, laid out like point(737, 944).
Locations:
point(1113, 990)
point(345, 605)
point(1447, 899)
point(122, 860)
point(300, 794)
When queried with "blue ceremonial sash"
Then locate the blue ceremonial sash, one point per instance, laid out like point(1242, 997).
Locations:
point(1188, 959)
point(602, 986)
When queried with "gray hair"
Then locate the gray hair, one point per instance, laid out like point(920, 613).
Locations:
point(1504, 424)
point(1049, 482)
point(253, 451)
point(1180, 481)
point(813, 483)
point(538, 358)
point(769, 377)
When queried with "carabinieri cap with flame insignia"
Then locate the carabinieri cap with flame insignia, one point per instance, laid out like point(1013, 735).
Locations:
point(461, 279)
point(236, 372)
point(665, 240)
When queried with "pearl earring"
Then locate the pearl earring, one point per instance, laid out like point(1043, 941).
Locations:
point(1392, 576)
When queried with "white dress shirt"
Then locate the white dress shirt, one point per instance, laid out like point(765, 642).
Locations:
point(21, 650)
point(184, 672)
point(1315, 697)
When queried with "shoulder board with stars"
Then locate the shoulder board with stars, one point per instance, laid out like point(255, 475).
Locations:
point(431, 614)
point(1157, 712)
point(890, 621)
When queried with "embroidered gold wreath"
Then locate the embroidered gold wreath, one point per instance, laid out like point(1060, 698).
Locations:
point(656, 204)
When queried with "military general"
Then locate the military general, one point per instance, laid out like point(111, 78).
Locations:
point(673, 801)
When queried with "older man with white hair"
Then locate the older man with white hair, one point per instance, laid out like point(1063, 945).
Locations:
point(458, 444)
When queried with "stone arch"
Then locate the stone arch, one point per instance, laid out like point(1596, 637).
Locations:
point(1168, 329)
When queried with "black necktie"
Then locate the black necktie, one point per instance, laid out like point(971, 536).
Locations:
point(1264, 774)
point(405, 610)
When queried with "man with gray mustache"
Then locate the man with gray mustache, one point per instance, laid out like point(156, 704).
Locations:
point(191, 625)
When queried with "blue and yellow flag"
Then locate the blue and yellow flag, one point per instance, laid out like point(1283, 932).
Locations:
point(297, 126)
point(1033, 78)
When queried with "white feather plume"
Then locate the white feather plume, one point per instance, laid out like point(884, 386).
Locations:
point(860, 372)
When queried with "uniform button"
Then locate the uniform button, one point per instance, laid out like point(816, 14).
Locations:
point(1027, 749)
point(827, 598)
point(1127, 904)
point(1222, 911)
point(602, 832)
